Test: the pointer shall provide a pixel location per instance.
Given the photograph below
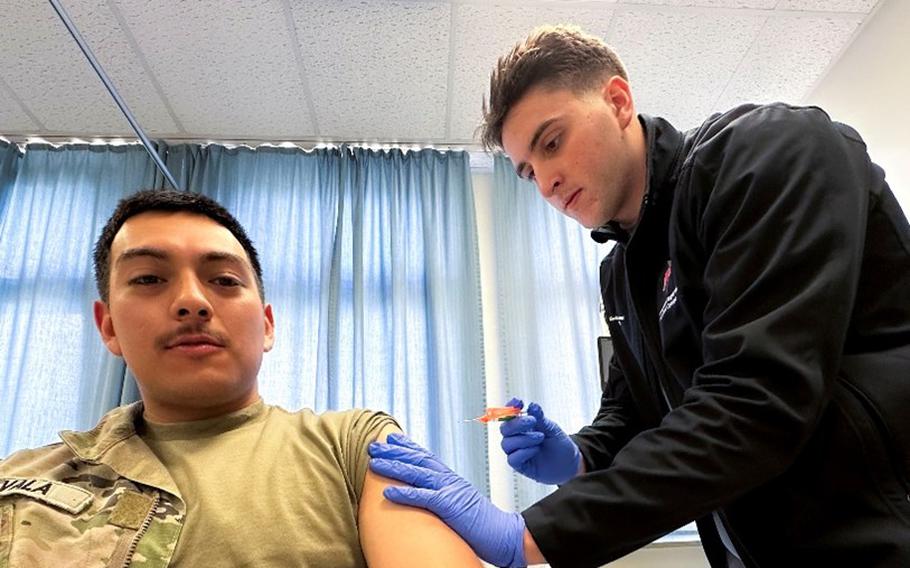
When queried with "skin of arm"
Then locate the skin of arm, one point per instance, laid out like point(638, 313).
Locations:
point(397, 536)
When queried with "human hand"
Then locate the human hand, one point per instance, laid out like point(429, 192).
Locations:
point(538, 448)
point(495, 535)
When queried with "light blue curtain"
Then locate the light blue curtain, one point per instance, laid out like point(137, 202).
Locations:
point(369, 259)
point(549, 308)
point(370, 262)
point(54, 371)
point(9, 163)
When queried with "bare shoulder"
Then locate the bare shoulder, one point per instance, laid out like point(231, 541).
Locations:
point(398, 536)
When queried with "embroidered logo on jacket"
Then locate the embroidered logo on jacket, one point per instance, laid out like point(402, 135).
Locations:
point(670, 301)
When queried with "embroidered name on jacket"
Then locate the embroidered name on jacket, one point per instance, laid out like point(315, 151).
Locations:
point(67, 497)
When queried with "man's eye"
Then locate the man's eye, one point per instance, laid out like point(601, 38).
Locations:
point(228, 281)
point(553, 144)
point(530, 176)
point(146, 280)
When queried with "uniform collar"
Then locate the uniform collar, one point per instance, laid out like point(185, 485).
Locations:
point(116, 426)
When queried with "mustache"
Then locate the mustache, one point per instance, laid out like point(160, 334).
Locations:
point(162, 341)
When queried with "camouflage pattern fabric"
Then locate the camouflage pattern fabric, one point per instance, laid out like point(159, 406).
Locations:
point(128, 509)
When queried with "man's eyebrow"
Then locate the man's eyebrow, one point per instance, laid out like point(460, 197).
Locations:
point(140, 252)
point(539, 132)
point(534, 139)
point(161, 254)
point(220, 256)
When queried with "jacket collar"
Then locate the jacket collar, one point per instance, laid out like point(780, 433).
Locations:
point(114, 443)
point(116, 426)
point(665, 145)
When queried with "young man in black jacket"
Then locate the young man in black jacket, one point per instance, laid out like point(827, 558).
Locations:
point(758, 298)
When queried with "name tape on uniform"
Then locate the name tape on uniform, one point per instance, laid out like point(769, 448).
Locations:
point(63, 495)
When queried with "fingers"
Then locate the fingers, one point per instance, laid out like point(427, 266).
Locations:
point(518, 458)
point(545, 425)
point(406, 473)
point(521, 441)
point(402, 449)
point(410, 496)
point(515, 403)
point(400, 439)
point(518, 425)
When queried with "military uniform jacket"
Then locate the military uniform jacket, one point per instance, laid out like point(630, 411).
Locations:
point(103, 486)
point(760, 316)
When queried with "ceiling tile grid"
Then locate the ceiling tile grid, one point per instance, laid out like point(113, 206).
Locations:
point(751, 4)
point(377, 68)
point(787, 59)
point(43, 66)
point(12, 115)
point(486, 32)
point(679, 61)
point(861, 6)
point(110, 44)
point(227, 68)
point(408, 71)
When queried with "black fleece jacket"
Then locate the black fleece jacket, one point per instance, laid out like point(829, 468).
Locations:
point(760, 316)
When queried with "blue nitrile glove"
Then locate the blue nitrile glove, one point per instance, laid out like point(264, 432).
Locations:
point(495, 535)
point(538, 448)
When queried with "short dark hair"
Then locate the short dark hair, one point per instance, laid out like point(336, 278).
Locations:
point(172, 201)
point(552, 56)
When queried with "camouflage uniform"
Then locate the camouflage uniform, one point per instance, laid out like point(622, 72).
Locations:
point(101, 498)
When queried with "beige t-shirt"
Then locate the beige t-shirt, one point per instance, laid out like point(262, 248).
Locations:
point(267, 487)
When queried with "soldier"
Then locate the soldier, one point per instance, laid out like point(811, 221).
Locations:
point(202, 472)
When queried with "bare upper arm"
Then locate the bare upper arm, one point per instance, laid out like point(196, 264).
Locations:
point(397, 536)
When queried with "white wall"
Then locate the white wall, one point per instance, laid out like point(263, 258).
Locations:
point(869, 89)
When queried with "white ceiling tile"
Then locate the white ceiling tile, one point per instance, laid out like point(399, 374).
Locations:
point(864, 6)
point(15, 121)
point(789, 56)
point(385, 70)
point(109, 43)
point(43, 66)
point(13, 118)
point(483, 33)
point(377, 68)
point(753, 4)
point(227, 68)
point(679, 62)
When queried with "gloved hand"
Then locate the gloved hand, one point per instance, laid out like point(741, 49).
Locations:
point(495, 535)
point(538, 448)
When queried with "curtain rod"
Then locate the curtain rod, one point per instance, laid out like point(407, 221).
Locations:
point(71, 27)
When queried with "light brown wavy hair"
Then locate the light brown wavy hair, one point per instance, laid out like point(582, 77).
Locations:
point(559, 56)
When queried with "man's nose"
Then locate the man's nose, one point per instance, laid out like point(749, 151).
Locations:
point(191, 301)
point(548, 183)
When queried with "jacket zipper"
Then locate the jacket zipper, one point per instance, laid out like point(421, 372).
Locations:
point(884, 432)
point(142, 529)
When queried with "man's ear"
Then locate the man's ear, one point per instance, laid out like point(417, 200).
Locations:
point(105, 326)
point(269, 328)
point(618, 94)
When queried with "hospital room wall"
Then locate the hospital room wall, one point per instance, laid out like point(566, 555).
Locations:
point(868, 89)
